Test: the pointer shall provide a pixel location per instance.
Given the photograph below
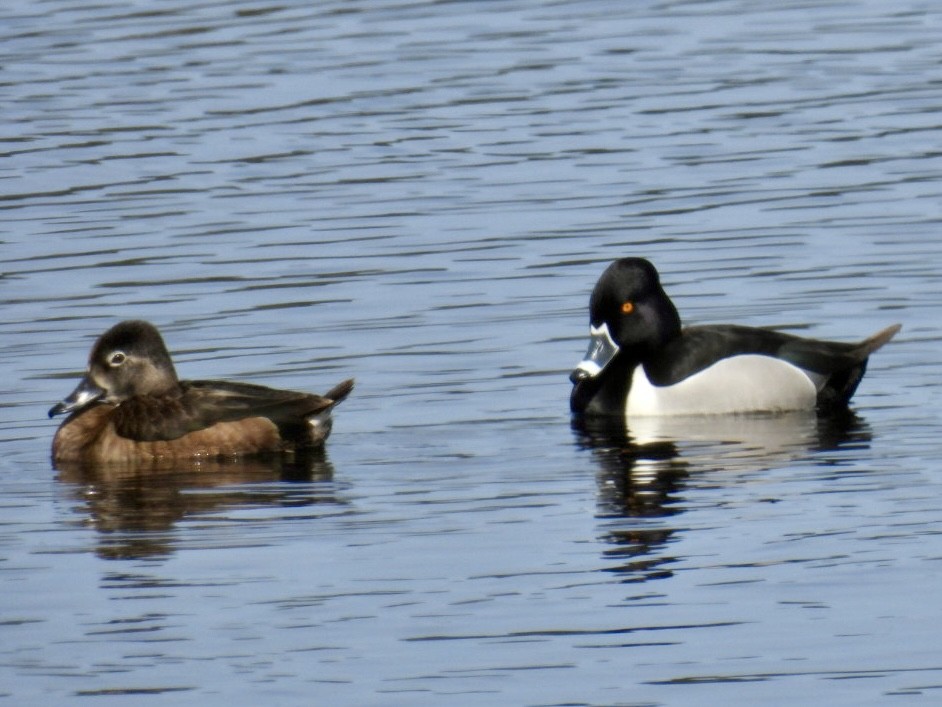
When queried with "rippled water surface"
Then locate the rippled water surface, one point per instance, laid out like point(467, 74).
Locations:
point(421, 195)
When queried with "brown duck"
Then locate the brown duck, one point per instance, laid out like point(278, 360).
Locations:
point(130, 407)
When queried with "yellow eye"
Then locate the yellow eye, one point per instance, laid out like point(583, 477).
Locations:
point(627, 307)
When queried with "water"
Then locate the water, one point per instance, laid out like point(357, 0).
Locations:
point(422, 196)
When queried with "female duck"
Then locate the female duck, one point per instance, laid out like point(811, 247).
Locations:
point(641, 362)
point(130, 407)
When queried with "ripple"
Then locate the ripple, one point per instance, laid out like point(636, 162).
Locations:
point(422, 195)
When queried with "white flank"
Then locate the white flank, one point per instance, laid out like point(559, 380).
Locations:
point(732, 385)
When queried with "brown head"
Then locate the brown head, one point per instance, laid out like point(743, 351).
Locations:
point(128, 360)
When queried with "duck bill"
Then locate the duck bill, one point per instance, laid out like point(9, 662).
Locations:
point(602, 349)
point(85, 393)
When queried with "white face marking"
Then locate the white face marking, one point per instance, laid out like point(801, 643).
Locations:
point(602, 349)
point(84, 398)
point(590, 367)
point(738, 384)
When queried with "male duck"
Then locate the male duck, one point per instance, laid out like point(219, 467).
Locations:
point(130, 407)
point(641, 362)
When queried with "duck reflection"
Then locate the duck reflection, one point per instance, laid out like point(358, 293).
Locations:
point(135, 508)
point(645, 465)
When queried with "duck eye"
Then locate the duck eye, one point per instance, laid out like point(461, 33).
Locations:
point(627, 307)
point(117, 358)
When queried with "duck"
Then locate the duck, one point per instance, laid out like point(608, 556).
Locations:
point(130, 407)
point(642, 362)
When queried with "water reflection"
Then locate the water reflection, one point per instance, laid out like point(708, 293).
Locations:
point(135, 509)
point(644, 467)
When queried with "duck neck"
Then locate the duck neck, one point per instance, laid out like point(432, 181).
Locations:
point(607, 393)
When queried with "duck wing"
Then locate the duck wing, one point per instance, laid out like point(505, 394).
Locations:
point(826, 357)
point(201, 404)
point(699, 347)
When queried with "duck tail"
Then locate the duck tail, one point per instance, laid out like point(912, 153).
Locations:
point(871, 344)
point(340, 391)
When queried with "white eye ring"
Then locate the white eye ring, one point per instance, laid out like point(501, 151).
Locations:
point(117, 358)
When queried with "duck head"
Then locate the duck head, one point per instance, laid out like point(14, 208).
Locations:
point(630, 317)
point(129, 359)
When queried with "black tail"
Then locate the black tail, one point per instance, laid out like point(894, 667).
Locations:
point(871, 344)
point(340, 391)
point(843, 384)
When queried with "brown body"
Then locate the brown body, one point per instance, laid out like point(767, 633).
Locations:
point(130, 408)
point(90, 436)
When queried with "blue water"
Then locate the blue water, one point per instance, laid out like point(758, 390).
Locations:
point(422, 196)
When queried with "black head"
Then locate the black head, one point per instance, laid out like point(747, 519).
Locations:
point(630, 301)
point(129, 359)
point(631, 317)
